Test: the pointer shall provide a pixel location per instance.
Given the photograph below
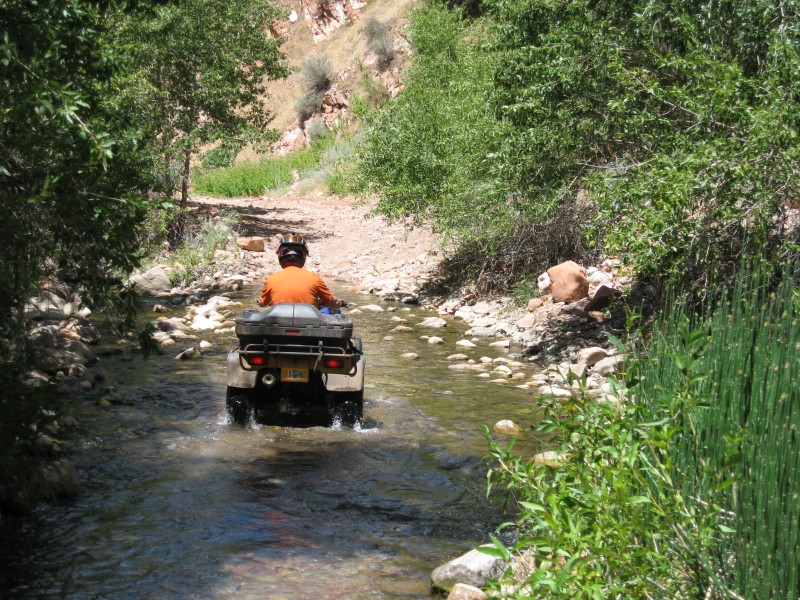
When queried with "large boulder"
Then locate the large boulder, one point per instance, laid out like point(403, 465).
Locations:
point(568, 282)
point(152, 281)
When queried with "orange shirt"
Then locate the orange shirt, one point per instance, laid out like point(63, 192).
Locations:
point(294, 284)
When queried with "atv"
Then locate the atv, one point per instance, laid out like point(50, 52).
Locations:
point(295, 365)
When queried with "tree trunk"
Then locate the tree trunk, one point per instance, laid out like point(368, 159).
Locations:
point(187, 161)
point(178, 232)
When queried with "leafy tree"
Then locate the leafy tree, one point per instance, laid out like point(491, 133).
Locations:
point(662, 132)
point(71, 185)
point(201, 68)
point(70, 173)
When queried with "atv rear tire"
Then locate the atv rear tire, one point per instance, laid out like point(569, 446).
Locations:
point(350, 410)
point(239, 405)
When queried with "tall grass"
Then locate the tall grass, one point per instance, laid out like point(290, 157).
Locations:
point(257, 178)
point(742, 449)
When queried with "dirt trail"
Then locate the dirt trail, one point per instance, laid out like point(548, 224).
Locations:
point(345, 242)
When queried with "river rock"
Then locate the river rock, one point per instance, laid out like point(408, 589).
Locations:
point(481, 331)
point(462, 591)
point(465, 344)
point(189, 353)
point(609, 364)
point(373, 308)
point(402, 329)
point(502, 370)
point(506, 427)
point(79, 329)
point(201, 323)
point(152, 281)
point(472, 568)
point(61, 479)
point(590, 356)
point(457, 357)
point(551, 457)
point(460, 367)
point(252, 243)
point(410, 356)
point(436, 322)
point(434, 340)
point(500, 344)
point(552, 391)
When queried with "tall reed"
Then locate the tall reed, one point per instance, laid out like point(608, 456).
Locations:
point(740, 448)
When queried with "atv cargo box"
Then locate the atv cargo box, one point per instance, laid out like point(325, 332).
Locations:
point(298, 322)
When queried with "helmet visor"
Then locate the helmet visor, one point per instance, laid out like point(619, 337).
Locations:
point(293, 238)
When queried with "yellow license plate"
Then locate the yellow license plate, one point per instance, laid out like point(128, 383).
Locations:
point(294, 374)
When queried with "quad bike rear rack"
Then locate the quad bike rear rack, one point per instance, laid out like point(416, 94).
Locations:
point(320, 353)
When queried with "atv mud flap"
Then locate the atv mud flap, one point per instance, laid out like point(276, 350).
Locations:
point(346, 383)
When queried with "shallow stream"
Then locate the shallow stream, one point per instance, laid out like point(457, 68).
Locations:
point(179, 503)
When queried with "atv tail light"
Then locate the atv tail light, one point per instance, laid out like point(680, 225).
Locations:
point(292, 332)
point(257, 360)
point(334, 363)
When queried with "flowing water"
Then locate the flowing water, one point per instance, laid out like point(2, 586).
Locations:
point(179, 503)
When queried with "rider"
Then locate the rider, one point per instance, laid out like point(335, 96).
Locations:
point(293, 283)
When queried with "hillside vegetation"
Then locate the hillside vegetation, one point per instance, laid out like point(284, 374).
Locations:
point(533, 131)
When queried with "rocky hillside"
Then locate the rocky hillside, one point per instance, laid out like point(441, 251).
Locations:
point(338, 30)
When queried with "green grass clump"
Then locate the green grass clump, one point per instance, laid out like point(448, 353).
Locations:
point(257, 178)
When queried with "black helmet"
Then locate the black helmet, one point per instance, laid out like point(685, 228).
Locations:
point(292, 247)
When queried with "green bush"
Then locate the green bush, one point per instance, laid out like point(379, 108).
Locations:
point(198, 250)
point(689, 487)
point(675, 122)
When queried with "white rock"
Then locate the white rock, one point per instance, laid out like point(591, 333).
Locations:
point(502, 370)
point(506, 427)
point(555, 392)
point(500, 344)
point(436, 322)
point(410, 356)
point(203, 324)
point(460, 367)
point(204, 344)
point(457, 357)
point(543, 282)
point(435, 340)
point(465, 344)
point(373, 308)
point(609, 364)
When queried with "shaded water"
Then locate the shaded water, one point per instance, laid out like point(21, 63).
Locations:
point(179, 503)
